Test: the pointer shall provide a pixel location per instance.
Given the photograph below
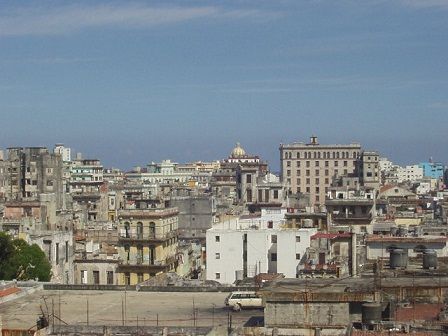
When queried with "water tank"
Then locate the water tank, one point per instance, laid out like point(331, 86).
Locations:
point(308, 223)
point(398, 258)
point(239, 275)
point(371, 313)
point(402, 231)
point(394, 231)
point(429, 259)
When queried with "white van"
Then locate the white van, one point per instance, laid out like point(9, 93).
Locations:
point(241, 300)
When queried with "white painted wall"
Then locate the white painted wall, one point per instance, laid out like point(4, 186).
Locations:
point(230, 249)
point(260, 247)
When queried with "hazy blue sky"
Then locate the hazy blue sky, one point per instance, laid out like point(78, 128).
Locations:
point(136, 81)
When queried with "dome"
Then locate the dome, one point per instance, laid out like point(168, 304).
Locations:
point(238, 151)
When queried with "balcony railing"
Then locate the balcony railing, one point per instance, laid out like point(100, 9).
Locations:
point(123, 235)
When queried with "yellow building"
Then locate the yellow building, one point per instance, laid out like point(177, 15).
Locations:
point(147, 243)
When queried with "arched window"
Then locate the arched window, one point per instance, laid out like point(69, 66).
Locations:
point(127, 229)
point(152, 230)
point(139, 230)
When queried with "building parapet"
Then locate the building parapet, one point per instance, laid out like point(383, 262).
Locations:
point(148, 213)
point(394, 239)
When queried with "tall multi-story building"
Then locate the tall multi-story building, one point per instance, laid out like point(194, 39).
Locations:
point(147, 243)
point(88, 190)
point(369, 170)
point(309, 168)
point(432, 169)
point(32, 171)
point(64, 152)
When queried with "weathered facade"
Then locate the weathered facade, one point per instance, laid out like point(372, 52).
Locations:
point(147, 243)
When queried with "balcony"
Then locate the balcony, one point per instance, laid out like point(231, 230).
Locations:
point(155, 266)
point(86, 196)
point(141, 238)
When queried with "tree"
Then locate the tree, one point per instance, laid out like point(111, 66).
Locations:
point(6, 251)
point(22, 261)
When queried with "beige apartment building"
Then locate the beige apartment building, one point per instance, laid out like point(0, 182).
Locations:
point(310, 168)
point(147, 242)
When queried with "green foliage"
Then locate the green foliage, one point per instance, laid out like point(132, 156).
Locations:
point(21, 261)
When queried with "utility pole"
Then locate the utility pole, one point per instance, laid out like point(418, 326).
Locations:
point(87, 310)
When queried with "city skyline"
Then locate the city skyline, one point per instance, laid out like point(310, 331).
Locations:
point(131, 83)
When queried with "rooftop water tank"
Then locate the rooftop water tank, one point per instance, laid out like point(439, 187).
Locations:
point(429, 259)
point(398, 258)
point(371, 313)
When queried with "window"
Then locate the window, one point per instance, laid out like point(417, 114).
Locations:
point(248, 178)
point(317, 181)
point(316, 163)
point(307, 163)
point(317, 189)
point(288, 163)
point(297, 256)
point(217, 239)
point(326, 172)
point(298, 172)
point(84, 277)
point(298, 189)
point(66, 251)
point(217, 255)
point(57, 253)
point(139, 277)
point(308, 189)
point(336, 163)
point(345, 163)
point(327, 181)
point(275, 194)
point(326, 163)
point(317, 172)
point(96, 277)
point(308, 181)
point(298, 181)
point(298, 164)
point(288, 173)
point(307, 172)
point(110, 277)
point(217, 276)
point(297, 239)
point(274, 239)
point(270, 224)
point(273, 256)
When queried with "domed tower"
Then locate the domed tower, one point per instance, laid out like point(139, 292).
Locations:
point(238, 151)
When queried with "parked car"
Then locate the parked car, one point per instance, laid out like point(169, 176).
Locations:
point(242, 300)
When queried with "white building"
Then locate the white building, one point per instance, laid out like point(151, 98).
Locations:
point(169, 172)
point(247, 246)
point(409, 173)
point(385, 165)
point(65, 152)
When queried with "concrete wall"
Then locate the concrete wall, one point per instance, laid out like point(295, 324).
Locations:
point(261, 247)
point(102, 267)
point(380, 250)
point(299, 314)
point(230, 249)
point(196, 215)
point(292, 243)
